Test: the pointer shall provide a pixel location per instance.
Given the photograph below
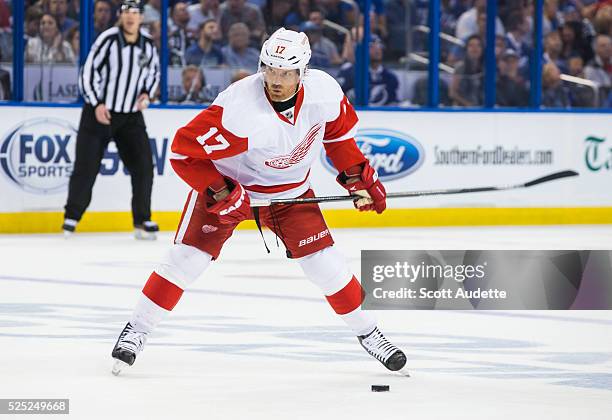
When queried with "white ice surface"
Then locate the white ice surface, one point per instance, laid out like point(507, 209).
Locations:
point(253, 339)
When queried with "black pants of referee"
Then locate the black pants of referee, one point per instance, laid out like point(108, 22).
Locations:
point(130, 135)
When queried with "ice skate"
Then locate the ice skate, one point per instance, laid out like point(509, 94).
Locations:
point(129, 344)
point(382, 350)
point(147, 231)
point(69, 227)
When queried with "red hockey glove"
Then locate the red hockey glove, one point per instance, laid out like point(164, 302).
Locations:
point(232, 202)
point(363, 180)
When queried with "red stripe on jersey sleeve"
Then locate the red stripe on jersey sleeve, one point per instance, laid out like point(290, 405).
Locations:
point(344, 154)
point(343, 124)
point(204, 137)
point(198, 173)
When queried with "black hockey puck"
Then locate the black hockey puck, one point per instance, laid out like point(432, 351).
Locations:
point(380, 388)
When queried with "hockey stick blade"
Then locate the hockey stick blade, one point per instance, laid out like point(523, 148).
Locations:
point(551, 177)
point(407, 194)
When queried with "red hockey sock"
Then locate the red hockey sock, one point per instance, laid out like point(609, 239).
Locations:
point(348, 299)
point(162, 292)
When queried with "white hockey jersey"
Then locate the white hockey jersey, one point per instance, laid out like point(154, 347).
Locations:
point(241, 136)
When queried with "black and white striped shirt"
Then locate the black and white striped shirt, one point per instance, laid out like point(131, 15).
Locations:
point(117, 72)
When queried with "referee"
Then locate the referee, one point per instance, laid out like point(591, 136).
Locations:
point(118, 79)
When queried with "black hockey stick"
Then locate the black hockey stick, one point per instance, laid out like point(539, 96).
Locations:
point(405, 194)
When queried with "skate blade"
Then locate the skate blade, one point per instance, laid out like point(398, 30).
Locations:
point(119, 366)
point(68, 234)
point(403, 372)
point(143, 235)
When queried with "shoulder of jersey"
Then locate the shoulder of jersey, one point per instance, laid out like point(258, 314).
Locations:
point(110, 31)
point(325, 88)
point(146, 34)
point(240, 103)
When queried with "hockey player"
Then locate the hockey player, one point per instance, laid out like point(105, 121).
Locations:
point(259, 139)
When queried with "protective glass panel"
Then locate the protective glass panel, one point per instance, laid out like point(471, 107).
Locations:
point(51, 51)
point(6, 51)
point(576, 70)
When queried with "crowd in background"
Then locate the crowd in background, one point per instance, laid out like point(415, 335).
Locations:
point(205, 34)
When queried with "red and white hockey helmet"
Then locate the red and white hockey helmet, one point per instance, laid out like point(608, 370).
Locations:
point(286, 49)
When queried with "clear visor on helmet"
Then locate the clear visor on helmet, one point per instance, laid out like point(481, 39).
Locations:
point(274, 75)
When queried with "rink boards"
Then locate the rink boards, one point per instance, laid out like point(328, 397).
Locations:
point(411, 151)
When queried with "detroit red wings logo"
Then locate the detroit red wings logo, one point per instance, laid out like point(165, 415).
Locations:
point(298, 153)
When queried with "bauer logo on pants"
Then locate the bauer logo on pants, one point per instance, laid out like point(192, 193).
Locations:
point(38, 155)
point(392, 153)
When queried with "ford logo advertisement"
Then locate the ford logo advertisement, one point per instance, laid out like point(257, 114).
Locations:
point(38, 155)
point(392, 153)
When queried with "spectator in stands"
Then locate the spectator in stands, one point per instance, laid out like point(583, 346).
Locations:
point(554, 94)
point(298, 15)
point(340, 39)
point(152, 12)
point(448, 19)
point(467, 85)
point(49, 47)
point(5, 83)
point(201, 12)
point(74, 39)
point(552, 16)
point(552, 50)
point(179, 39)
point(341, 12)
point(378, 18)
point(324, 52)
point(581, 96)
point(32, 21)
point(6, 33)
point(457, 52)
point(238, 11)
point(511, 89)
point(5, 15)
point(383, 82)
point(194, 86)
point(74, 9)
point(179, 17)
point(500, 47)
point(59, 9)
point(204, 52)
point(599, 69)
point(468, 22)
point(593, 7)
point(276, 13)
point(571, 13)
point(238, 53)
point(116, 10)
point(102, 17)
point(517, 28)
point(240, 74)
point(574, 42)
point(603, 20)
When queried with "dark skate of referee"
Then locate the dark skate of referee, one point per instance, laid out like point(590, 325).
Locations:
point(119, 77)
